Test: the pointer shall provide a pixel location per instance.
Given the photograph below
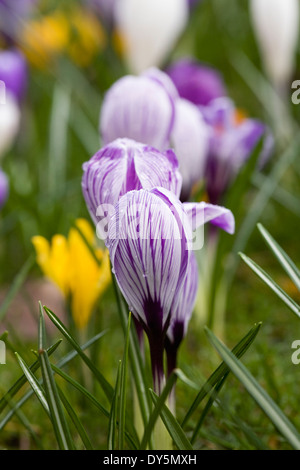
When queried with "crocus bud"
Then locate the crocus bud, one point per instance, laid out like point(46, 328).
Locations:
point(138, 108)
point(149, 29)
point(125, 165)
point(4, 188)
point(9, 121)
point(13, 72)
point(276, 24)
point(149, 235)
point(233, 139)
point(190, 140)
point(196, 82)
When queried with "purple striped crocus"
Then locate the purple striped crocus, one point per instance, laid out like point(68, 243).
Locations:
point(3, 188)
point(233, 139)
point(196, 82)
point(13, 72)
point(149, 236)
point(147, 108)
point(122, 166)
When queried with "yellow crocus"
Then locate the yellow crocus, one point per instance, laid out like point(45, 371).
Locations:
point(81, 275)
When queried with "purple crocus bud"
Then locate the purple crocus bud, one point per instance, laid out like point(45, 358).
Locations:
point(190, 140)
point(233, 139)
point(4, 187)
point(196, 82)
point(147, 239)
point(13, 72)
point(125, 165)
point(138, 108)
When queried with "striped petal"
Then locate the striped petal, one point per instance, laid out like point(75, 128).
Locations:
point(190, 139)
point(4, 188)
point(138, 108)
point(202, 213)
point(147, 244)
point(125, 165)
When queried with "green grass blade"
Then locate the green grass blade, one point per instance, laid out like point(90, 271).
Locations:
point(22, 380)
point(36, 387)
point(58, 419)
point(76, 421)
point(107, 388)
point(174, 429)
point(238, 350)
point(289, 302)
point(123, 383)
point(112, 425)
point(157, 410)
point(283, 258)
point(270, 408)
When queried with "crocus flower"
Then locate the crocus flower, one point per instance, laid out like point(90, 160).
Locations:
point(196, 82)
point(122, 166)
point(233, 139)
point(69, 263)
point(147, 108)
point(276, 25)
point(190, 139)
point(140, 108)
point(13, 72)
point(4, 187)
point(149, 235)
point(149, 30)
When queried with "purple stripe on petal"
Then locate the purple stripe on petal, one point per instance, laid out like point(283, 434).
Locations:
point(203, 212)
point(13, 72)
point(137, 108)
point(4, 187)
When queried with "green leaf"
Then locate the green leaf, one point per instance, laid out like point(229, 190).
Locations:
point(34, 383)
point(285, 261)
point(111, 438)
point(289, 302)
point(123, 383)
point(57, 416)
point(278, 418)
point(76, 421)
point(223, 370)
point(175, 430)
point(157, 410)
point(22, 380)
point(107, 388)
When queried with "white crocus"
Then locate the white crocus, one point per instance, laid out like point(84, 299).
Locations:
point(149, 30)
point(9, 122)
point(276, 25)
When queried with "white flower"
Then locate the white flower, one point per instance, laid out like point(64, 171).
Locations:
point(149, 29)
point(276, 24)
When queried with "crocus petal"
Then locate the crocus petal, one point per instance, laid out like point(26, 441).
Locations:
point(202, 213)
point(276, 24)
point(12, 15)
point(9, 122)
point(138, 108)
point(4, 188)
point(196, 82)
point(147, 244)
point(183, 304)
point(105, 8)
point(13, 72)
point(150, 29)
point(125, 165)
point(190, 139)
